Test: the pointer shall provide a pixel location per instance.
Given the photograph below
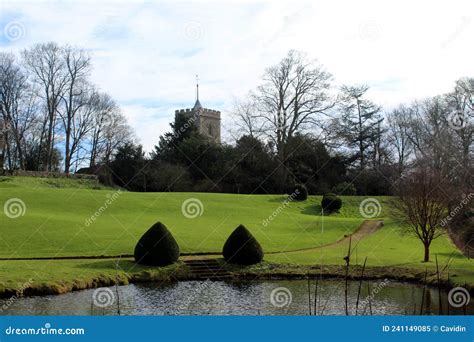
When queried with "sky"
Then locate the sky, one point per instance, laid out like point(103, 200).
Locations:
point(146, 54)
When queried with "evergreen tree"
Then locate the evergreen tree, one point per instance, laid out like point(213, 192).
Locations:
point(359, 125)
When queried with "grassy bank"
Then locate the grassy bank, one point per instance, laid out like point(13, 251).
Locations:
point(54, 277)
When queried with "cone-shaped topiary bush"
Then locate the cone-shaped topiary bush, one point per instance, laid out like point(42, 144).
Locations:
point(157, 247)
point(242, 248)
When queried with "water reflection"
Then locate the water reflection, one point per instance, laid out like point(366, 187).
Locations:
point(244, 298)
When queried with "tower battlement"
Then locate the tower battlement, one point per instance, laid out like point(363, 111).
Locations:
point(208, 121)
point(211, 112)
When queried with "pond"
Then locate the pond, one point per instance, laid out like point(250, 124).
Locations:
point(268, 297)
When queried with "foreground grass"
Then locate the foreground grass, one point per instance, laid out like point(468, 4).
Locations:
point(55, 224)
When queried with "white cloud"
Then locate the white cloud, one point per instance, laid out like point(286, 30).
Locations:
point(146, 54)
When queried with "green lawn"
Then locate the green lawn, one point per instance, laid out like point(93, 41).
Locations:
point(55, 224)
point(55, 221)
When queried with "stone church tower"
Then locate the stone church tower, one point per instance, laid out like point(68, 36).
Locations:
point(207, 121)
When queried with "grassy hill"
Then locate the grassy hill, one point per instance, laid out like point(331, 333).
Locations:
point(36, 182)
point(58, 213)
point(57, 221)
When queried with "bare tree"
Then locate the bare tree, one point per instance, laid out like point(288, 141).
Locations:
point(13, 91)
point(46, 65)
point(431, 136)
point(380, 152)
point(460, 119)
point(3, 129)
point(425, 201)
point(246, 118)
point(117, 133)
point(48, 106)
point(82, 125)
point(110, 129)
point(293, 97)
point(75, 98)
point(398, 135)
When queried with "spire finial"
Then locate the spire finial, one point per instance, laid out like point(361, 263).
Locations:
point(197, 105)
point(197, 87)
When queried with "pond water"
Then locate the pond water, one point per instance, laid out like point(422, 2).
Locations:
point(239, 298)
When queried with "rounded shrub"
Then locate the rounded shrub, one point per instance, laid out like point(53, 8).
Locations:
point(157, 247)
point(242, 248)
point(331, 202)
point(299, 192)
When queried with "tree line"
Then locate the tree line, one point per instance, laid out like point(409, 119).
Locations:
point(53, 117)
point(296, 127)
point(296, 97)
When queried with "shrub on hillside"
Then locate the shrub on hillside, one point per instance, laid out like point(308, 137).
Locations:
point(299, 192)
point(344, 188)
point(242, 248)
point(157, 247)
point(331, 202)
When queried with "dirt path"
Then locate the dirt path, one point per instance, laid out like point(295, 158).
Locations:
point(367, 228)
